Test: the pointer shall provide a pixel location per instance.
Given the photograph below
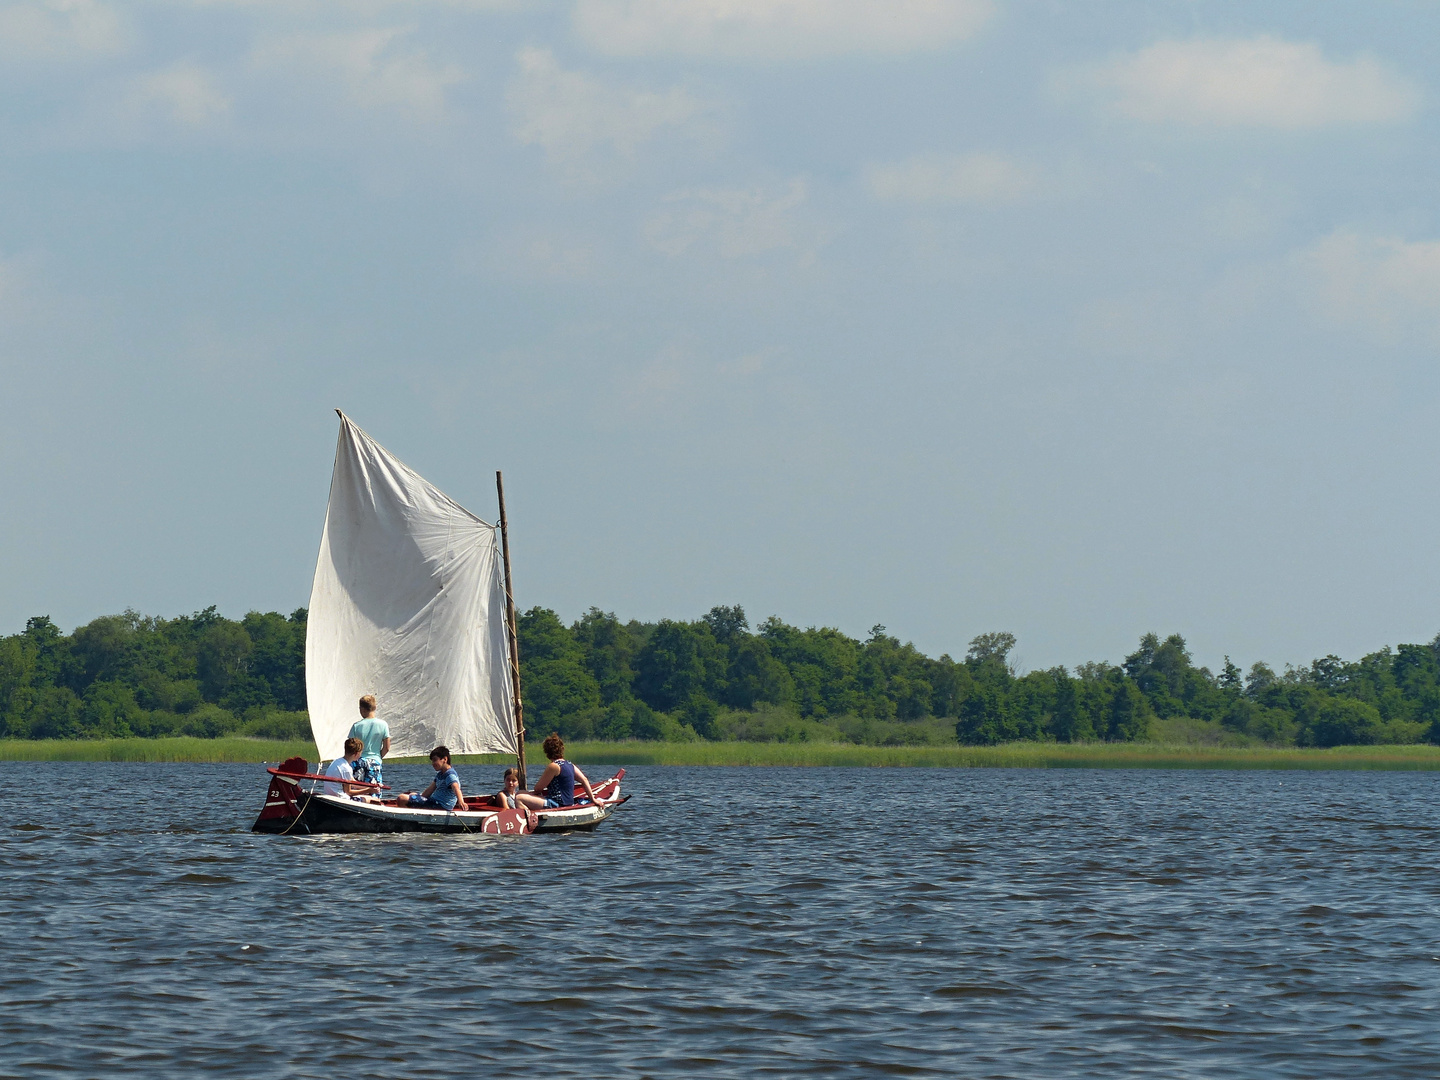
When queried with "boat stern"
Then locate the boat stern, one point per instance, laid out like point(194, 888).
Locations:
point(282, 798)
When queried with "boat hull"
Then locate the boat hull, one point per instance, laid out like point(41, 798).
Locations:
point(290, 810)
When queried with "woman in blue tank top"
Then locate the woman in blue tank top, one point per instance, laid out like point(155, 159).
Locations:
point(556, 786)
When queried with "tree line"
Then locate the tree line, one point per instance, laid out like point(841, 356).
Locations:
point(130, 674)
point(718, 677)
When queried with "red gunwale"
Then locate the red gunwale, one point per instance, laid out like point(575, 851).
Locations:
point(320, 776)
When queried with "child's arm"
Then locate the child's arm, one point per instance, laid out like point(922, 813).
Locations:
point(459, 798)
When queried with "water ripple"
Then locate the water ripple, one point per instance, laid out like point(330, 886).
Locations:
point(977, 923)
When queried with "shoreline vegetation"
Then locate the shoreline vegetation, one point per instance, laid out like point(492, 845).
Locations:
point(717, 691)
point(1021, 755)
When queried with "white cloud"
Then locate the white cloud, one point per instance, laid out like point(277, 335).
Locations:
point(375, 68)
point(734, 221)
point(982, 178)
point(1384, 284)
point(572, 115)
point(185, 92)
point(1260, 82)
point(777, 29)
point(60, 30)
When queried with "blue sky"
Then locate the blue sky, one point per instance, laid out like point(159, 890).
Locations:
point(1073, 320)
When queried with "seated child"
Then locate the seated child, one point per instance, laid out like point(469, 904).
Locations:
point(444, 793)
point(342, 769)
point(510, 787)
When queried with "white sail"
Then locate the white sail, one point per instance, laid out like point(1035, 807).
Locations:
point(408, 604)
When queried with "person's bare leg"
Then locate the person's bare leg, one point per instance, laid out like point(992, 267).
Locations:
point(527, 801)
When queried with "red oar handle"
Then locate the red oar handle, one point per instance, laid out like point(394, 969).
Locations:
point(332, 779)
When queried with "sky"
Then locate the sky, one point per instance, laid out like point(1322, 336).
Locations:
point(1077, 321)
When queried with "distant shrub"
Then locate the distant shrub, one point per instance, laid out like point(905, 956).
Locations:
point(925, 732)
point(1341, 722)
point(772, 723)
point(209, 722)
point(263, 723)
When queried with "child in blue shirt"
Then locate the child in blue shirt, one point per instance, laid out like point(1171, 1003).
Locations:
point(444, 793)
point(375, 734)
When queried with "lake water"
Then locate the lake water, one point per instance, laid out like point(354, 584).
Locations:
point(732, 922)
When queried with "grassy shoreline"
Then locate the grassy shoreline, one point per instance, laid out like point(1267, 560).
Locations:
point(799, 755)
point(236, 750)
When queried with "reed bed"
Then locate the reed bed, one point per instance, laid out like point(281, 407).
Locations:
point(799, 755)
point(181, 748)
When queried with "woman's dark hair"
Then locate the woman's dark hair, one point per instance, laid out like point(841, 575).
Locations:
point(440, 752)
point(554, 747)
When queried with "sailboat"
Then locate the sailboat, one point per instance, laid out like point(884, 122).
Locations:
point(411, 602)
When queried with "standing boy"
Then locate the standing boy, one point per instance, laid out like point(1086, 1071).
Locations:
point(375, 734)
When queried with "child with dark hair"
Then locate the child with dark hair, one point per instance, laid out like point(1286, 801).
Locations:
point(509, 791)
point(444, 793)
point(556, 786)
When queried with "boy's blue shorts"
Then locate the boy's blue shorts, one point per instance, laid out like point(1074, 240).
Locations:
point(369, 771)
point(426, 804)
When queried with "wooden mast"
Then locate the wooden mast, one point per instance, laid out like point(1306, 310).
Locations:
point(514, 641)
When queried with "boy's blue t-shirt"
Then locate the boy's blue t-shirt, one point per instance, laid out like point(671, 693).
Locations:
point(444, 794)
point(373, 732)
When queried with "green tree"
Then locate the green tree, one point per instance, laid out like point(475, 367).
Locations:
point(1033, 699)
point(109, 711)
point(1231, 680)
point(54, 714)
point(1260, 679)
point(1334, 721)
point(993, 646)
point(560, 694)
point(1129, 718)
point(1067, 723)
point(822, 662)
point(607, 650)
point(679, 662)
point(727, 623)
point(222, 657)
point(984, 718)
point(754, 676)
point(49, 649)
